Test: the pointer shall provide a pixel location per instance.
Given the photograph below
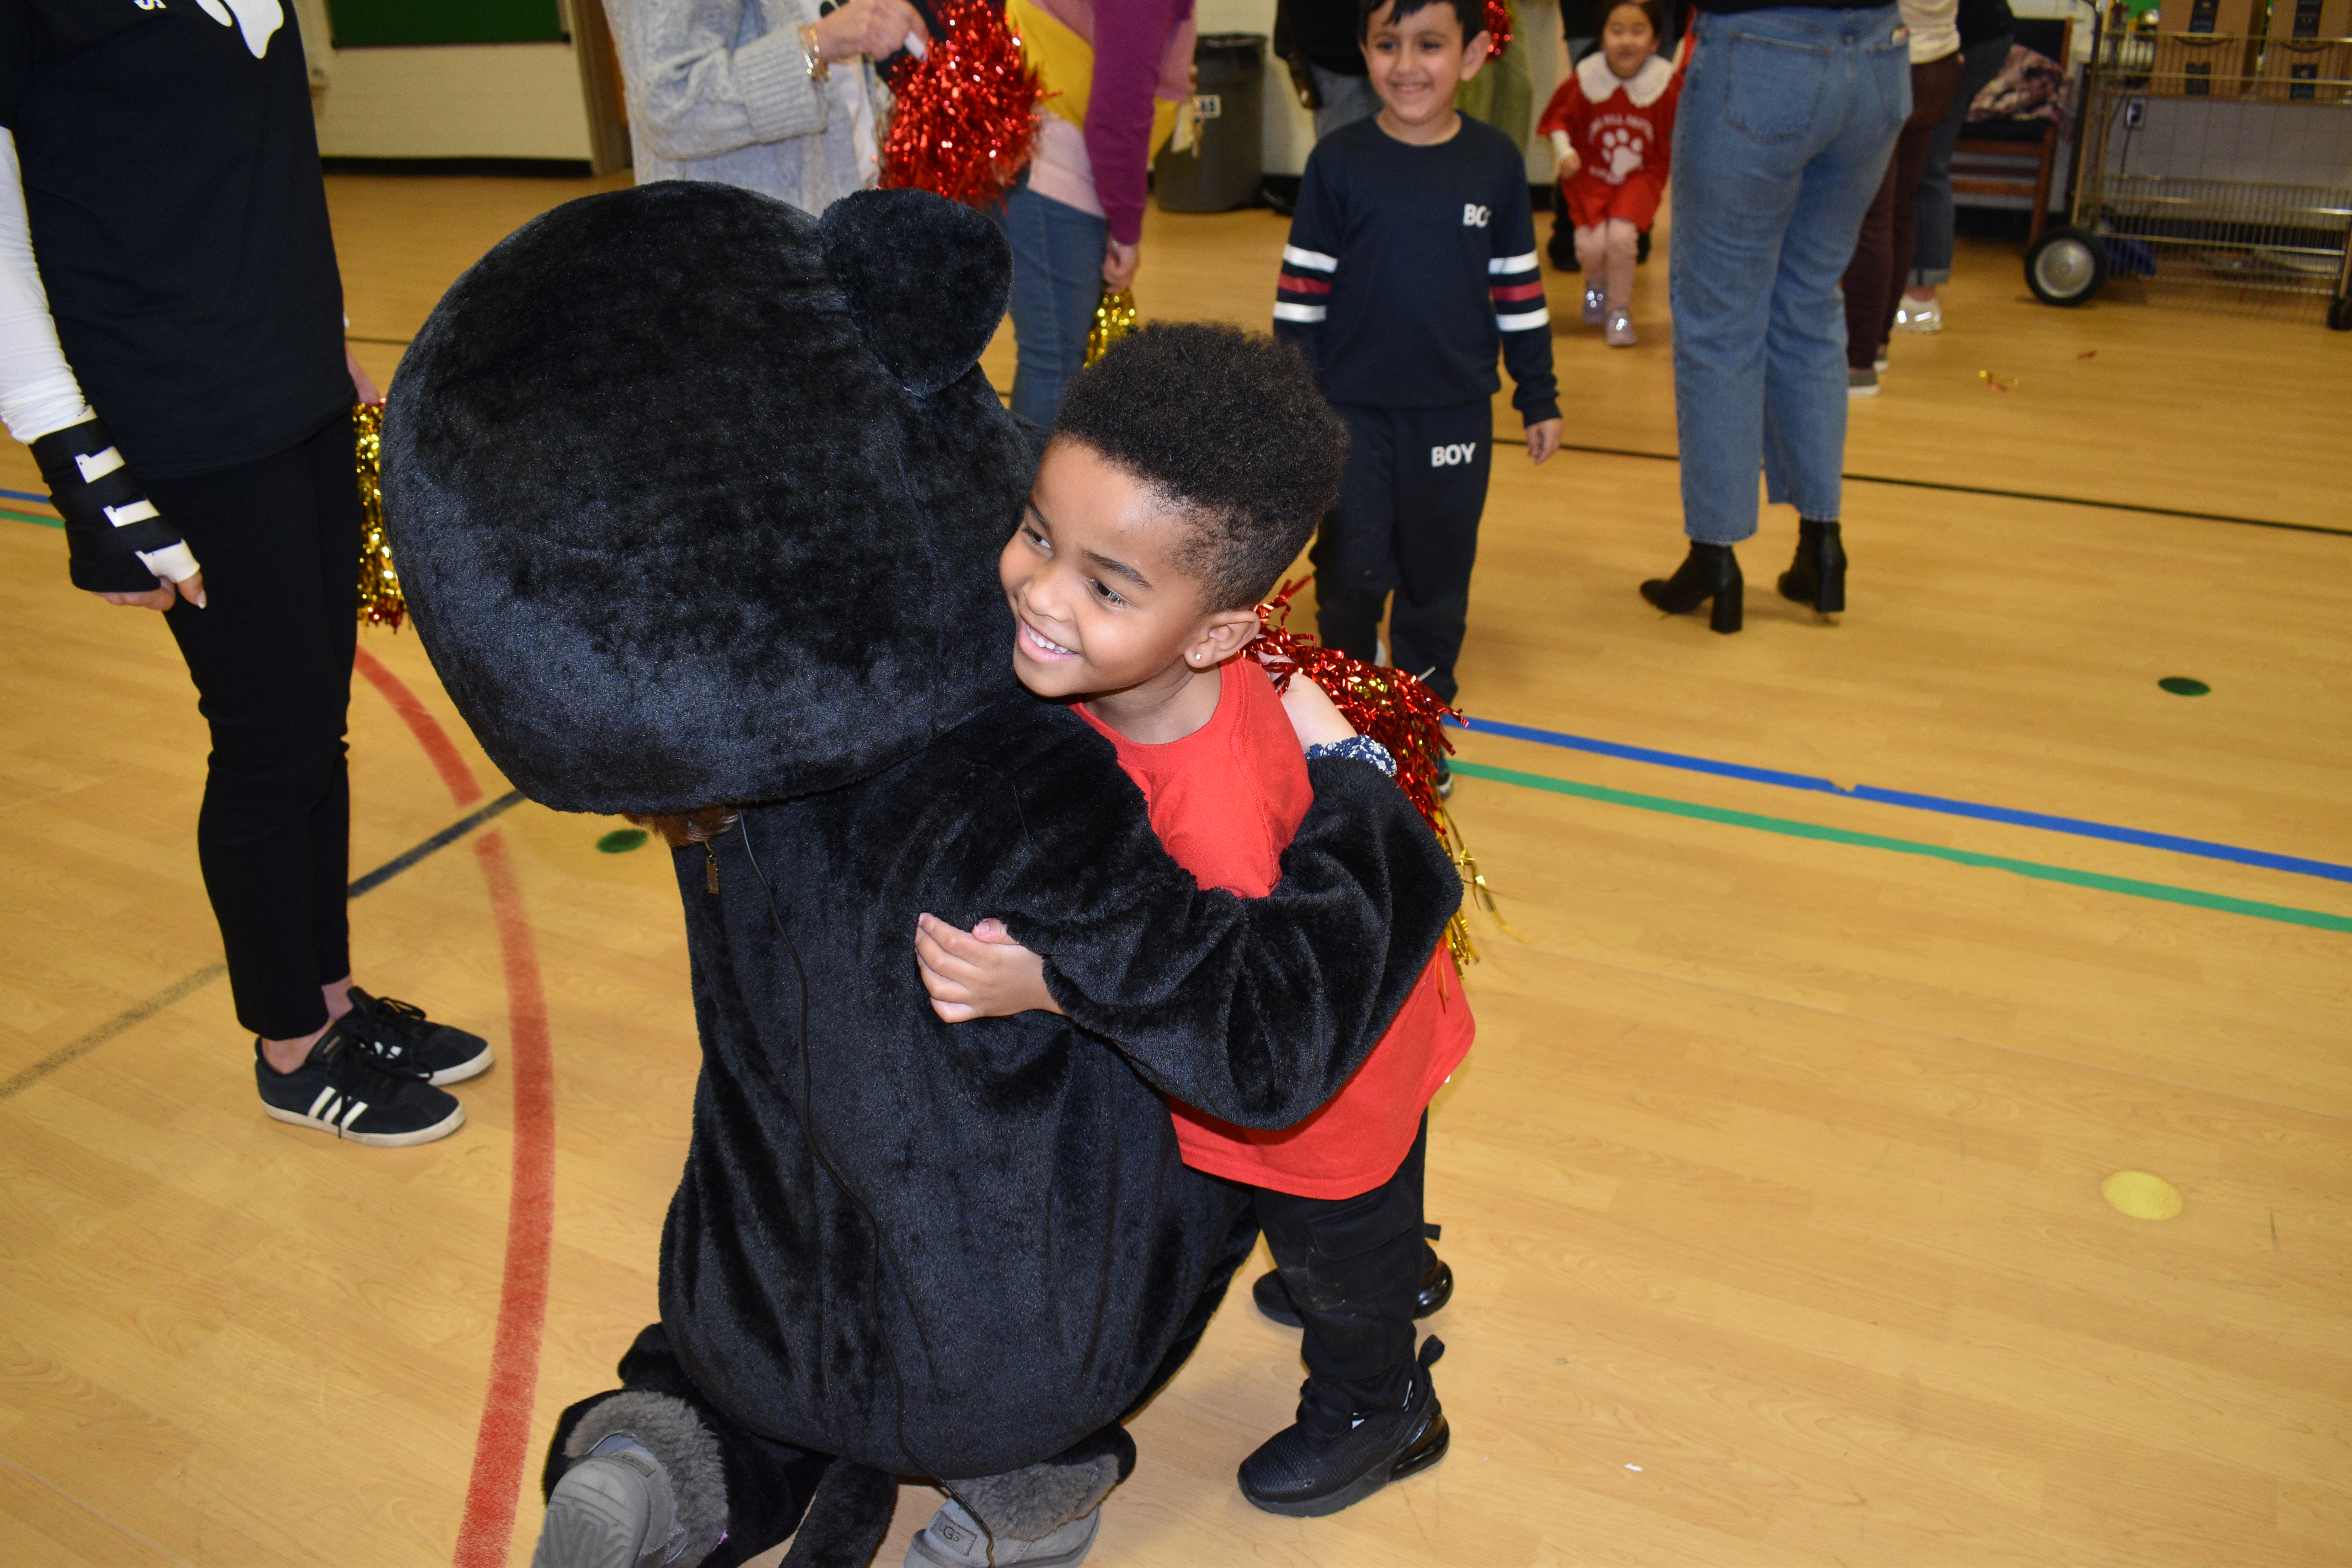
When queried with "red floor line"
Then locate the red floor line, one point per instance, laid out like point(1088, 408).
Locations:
point(464, 788)
point(502, 1441)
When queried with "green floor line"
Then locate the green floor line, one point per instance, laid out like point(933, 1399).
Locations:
point(33, 517)
point(2285, 913)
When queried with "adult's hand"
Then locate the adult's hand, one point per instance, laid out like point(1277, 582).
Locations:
point(1119, 264)
point(874, 28)
point(162, 597)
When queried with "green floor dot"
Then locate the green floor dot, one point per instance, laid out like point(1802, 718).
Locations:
point(621, 840)
point(2184, 686)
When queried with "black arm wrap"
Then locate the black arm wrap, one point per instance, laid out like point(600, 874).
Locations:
point(103, 555)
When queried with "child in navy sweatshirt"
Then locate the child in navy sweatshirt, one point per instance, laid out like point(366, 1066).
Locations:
point(1412, 259)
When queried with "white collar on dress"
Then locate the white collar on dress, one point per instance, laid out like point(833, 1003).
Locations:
point(1645, 86)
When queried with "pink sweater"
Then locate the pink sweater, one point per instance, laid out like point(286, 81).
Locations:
point(1143, 50)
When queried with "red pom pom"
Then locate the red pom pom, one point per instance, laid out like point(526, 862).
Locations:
point(1499, 28)
point(1392, 707)
point(965, 124)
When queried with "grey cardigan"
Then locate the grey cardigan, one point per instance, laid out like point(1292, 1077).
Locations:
point(718, 89)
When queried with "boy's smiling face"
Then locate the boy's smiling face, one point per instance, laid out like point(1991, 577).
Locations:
point(1104, 603)
point(1415, 64)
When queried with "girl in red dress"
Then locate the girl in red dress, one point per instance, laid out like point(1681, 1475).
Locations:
point(1612, 126)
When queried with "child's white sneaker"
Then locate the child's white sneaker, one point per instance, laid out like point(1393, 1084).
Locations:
point(1919, 315)
point(1620, 335)
point(1595, 301)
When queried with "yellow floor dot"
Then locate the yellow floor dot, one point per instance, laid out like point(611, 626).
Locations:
point(2141, 1195)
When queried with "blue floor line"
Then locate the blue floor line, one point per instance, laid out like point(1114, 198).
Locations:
point(40, 496)
point(2076, 826)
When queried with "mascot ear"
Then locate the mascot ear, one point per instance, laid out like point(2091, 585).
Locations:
point(925, 278)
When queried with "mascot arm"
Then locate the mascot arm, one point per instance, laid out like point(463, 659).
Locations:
point(1253, 1010)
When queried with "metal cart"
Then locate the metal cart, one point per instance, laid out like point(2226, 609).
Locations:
point(2210, 160)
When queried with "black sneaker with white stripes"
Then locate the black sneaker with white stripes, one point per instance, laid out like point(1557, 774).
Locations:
point(399, 1034)
point(342, 1089)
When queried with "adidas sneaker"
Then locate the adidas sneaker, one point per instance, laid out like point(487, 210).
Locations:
point(342, 1088)
point(402, 1038)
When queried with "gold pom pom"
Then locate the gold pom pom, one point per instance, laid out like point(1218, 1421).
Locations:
point(380, 602)
point(1114, 318)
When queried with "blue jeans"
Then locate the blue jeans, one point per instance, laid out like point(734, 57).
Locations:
point(1931, 263)
point(1057, 261)
point(1788, 118)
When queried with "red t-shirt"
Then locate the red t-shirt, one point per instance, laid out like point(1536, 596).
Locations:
point(1225, 800)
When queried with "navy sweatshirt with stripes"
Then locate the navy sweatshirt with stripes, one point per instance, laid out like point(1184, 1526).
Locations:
point(1405, 267)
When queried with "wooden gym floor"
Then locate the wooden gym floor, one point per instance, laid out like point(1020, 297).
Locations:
point(1774, 1184)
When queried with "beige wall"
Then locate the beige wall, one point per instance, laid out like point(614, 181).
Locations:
point(456, 101)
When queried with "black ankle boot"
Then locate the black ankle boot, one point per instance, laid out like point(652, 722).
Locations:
point(1817, 577)
point(1708, 572)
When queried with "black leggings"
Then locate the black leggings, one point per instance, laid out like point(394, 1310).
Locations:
point(270, 654)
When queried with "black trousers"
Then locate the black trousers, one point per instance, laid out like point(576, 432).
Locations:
point(1353, 1267)
point(270, 654)
point(1407, 523)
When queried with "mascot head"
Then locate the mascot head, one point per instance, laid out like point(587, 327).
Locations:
point(696, 499)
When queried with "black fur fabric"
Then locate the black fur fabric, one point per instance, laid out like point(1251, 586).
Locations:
point(927, 287)
point(670, 532)
point(846, 1519)
point(680, 527)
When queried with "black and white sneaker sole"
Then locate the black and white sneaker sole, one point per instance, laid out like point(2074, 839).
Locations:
point(441, 1129)
point(473, 1066)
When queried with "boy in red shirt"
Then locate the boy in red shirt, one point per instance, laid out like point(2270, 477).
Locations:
point(1612, 125)
point(1188, 468)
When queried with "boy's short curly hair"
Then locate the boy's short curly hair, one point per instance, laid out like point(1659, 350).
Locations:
point(1230, 429)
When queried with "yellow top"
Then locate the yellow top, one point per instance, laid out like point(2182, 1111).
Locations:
point(1064, 64)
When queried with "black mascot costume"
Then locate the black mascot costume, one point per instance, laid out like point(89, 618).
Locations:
point(696, 500)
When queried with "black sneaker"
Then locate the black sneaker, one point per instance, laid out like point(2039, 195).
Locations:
point(402, 1038)
point(342, 1089)
point(1444, 780)
point(1307, 1471)
point(1273, 1297)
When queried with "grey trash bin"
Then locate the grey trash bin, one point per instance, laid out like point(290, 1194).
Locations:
point(1224, 169)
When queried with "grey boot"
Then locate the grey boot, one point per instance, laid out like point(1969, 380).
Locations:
point(646, 1490)
point(1040, 1516)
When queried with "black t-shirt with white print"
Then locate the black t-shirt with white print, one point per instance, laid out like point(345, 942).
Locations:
point(1409, 267)
point(171, 176)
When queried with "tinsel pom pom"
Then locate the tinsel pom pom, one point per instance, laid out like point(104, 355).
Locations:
point(965, 123)
point(1114, 318)
point(381, 602)
point(1395, 708)
point(1499, 28)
